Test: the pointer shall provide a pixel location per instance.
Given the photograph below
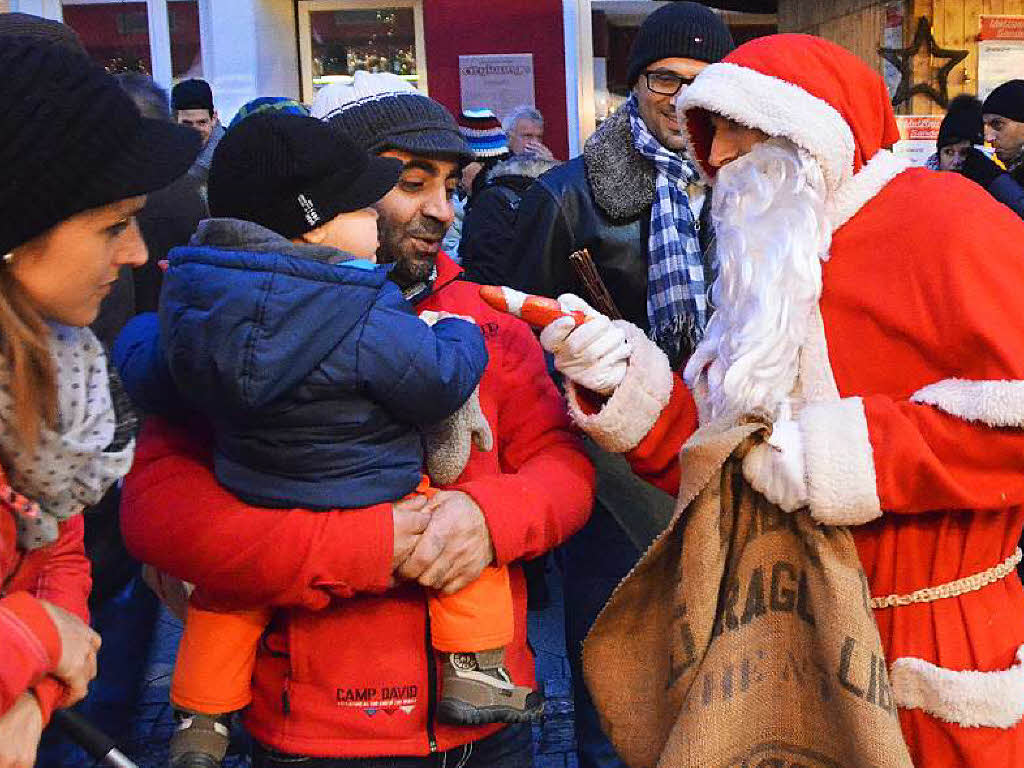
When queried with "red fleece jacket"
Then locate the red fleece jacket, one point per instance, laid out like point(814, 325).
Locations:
point(346, 668)
point(29, 644)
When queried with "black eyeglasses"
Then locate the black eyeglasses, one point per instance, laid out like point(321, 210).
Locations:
point(666, 83)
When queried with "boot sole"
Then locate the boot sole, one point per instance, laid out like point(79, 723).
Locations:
point(459, 713)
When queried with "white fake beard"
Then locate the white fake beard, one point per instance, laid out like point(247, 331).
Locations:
point(771, 236)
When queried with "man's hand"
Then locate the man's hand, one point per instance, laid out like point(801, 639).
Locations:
point(410, 520)
point(454, 548)
point(21, 726)
point(78, 648)
point(534, 147)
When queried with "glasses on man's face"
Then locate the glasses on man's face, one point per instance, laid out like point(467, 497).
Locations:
point(666, 83)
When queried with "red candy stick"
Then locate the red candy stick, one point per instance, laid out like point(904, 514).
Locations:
point(538, 311)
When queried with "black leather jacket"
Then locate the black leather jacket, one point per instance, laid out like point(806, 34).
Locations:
point(602, 201)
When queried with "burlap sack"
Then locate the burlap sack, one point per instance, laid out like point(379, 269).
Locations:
point(743, 638)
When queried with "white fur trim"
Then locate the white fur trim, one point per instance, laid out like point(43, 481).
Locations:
point(865, 184)
point(971, 699)
point(839, 463)
point(635, 405)
point(778, 108)
point(995, 403)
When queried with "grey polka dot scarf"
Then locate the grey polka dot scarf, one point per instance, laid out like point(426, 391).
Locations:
point(73, 465)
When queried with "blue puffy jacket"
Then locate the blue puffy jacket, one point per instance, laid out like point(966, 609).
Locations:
point(315, 375)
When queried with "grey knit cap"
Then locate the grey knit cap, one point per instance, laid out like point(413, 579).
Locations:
point(409, 122)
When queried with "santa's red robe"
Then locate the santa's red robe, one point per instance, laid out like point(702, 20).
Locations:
point(923, 451)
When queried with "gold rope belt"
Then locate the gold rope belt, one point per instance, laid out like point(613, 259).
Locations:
point(952, 588)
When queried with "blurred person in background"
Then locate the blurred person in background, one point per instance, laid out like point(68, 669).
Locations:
point(960, 130)
point(192, 106)
point(524, 127)
point(485, 137)
point(487, 248)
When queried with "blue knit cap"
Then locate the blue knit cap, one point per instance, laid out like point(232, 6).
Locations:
point(268, 104)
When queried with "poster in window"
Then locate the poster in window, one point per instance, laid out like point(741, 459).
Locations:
point(498, 82)
point(1000, 52)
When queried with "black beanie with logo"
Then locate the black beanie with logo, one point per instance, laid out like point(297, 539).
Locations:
point(679, 30)
point(292, 174)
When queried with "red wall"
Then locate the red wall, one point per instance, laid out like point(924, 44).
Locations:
point(454, 27)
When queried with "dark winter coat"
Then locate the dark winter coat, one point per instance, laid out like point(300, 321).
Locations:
point(487, 249)
point(1008, 189)
point(314, 374)
point(602, 201)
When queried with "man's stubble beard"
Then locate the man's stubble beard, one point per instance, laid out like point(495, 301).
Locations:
point(772, 233)
point(411, 265)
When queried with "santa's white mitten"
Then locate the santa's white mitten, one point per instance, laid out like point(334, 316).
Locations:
point(448, 443)
point(775, 468)
point(594, 355)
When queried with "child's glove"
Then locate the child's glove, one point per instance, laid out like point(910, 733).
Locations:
point(448, 443)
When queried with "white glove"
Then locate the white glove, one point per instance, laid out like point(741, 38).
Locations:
point(775, 468)
point(593, 355)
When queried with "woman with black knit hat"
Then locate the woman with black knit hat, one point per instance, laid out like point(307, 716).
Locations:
point(78, 160)
point(960, 130)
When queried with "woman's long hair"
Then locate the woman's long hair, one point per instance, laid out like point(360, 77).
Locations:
point(24, 345)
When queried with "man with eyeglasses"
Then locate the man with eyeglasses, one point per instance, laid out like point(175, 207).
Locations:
point(633, 199)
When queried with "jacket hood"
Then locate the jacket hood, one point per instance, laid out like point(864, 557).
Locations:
point(239, 235)
point(808, 90)
point(530, 166)
point(246, 315)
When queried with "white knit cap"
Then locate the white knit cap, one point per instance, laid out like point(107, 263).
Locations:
point(363, 84)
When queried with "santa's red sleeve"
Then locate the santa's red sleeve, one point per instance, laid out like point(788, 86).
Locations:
point(648, 417)
point(955, 440)
point(177, 517)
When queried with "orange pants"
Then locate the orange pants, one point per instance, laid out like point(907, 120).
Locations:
point(213, 670)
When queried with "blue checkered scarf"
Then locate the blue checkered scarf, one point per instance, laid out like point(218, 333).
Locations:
point(677, 304)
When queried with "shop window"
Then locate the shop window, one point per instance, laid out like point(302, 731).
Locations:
point(337, 39)
point(186, 50)
point(115, 34)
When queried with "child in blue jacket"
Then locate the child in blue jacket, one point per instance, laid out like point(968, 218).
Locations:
point(321, 383)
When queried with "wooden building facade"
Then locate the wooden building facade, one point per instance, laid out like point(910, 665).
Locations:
point(861, 25)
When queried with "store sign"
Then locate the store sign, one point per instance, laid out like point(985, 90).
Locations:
point(918, 134)
point(498, 82)
point(1000, 52)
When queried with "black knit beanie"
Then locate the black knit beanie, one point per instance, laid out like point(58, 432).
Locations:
point(192, 94)
point(962, 122)
point(679, 30)
point(292, 174)
point(409, 122)
point(26, 25)
point(1007, 101)
point(71, 139)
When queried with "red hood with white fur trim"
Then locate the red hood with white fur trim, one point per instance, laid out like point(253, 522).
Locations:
point(814, 93)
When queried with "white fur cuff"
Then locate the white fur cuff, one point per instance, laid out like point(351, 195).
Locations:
point(995, 403)
point(635, 405)
point(968, 698)
point(839, 463)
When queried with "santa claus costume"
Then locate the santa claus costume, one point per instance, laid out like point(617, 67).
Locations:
point(907, 384)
